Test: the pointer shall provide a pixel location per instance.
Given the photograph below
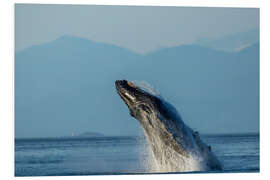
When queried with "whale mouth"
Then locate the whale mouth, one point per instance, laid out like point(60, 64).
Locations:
point(126, 90)
point(129, 92)
point(123, 84)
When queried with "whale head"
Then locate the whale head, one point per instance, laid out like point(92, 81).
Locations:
point(139, 102)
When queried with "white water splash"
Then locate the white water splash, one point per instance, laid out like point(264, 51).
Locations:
point(147, 160)
point(171, 160)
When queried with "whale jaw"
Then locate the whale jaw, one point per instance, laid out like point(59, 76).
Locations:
point(137, 100)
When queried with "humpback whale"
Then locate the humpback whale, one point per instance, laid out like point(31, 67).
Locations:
point(174, 145)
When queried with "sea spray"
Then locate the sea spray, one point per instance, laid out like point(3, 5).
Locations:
point(146, 157)
point(169, 160)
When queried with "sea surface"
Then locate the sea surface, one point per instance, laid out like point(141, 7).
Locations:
point(120, 155)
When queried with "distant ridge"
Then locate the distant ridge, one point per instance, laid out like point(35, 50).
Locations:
point(233, 42)
point(71, 41)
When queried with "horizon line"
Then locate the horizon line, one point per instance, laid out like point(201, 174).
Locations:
point(134, 135)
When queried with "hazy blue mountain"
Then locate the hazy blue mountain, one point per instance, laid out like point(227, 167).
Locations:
point(68, 85)
point(233, 42)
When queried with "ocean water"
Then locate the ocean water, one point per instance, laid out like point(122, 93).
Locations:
point(120, 155)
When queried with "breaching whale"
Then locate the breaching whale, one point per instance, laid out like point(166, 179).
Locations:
point(175, 146)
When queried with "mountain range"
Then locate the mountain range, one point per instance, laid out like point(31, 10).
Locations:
point(68, 85)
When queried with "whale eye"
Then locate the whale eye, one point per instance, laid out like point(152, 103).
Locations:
point(145, 108)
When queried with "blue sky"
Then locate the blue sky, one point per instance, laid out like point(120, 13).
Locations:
point(141, 29)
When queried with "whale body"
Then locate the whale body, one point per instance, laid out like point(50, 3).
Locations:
point(175, 146)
